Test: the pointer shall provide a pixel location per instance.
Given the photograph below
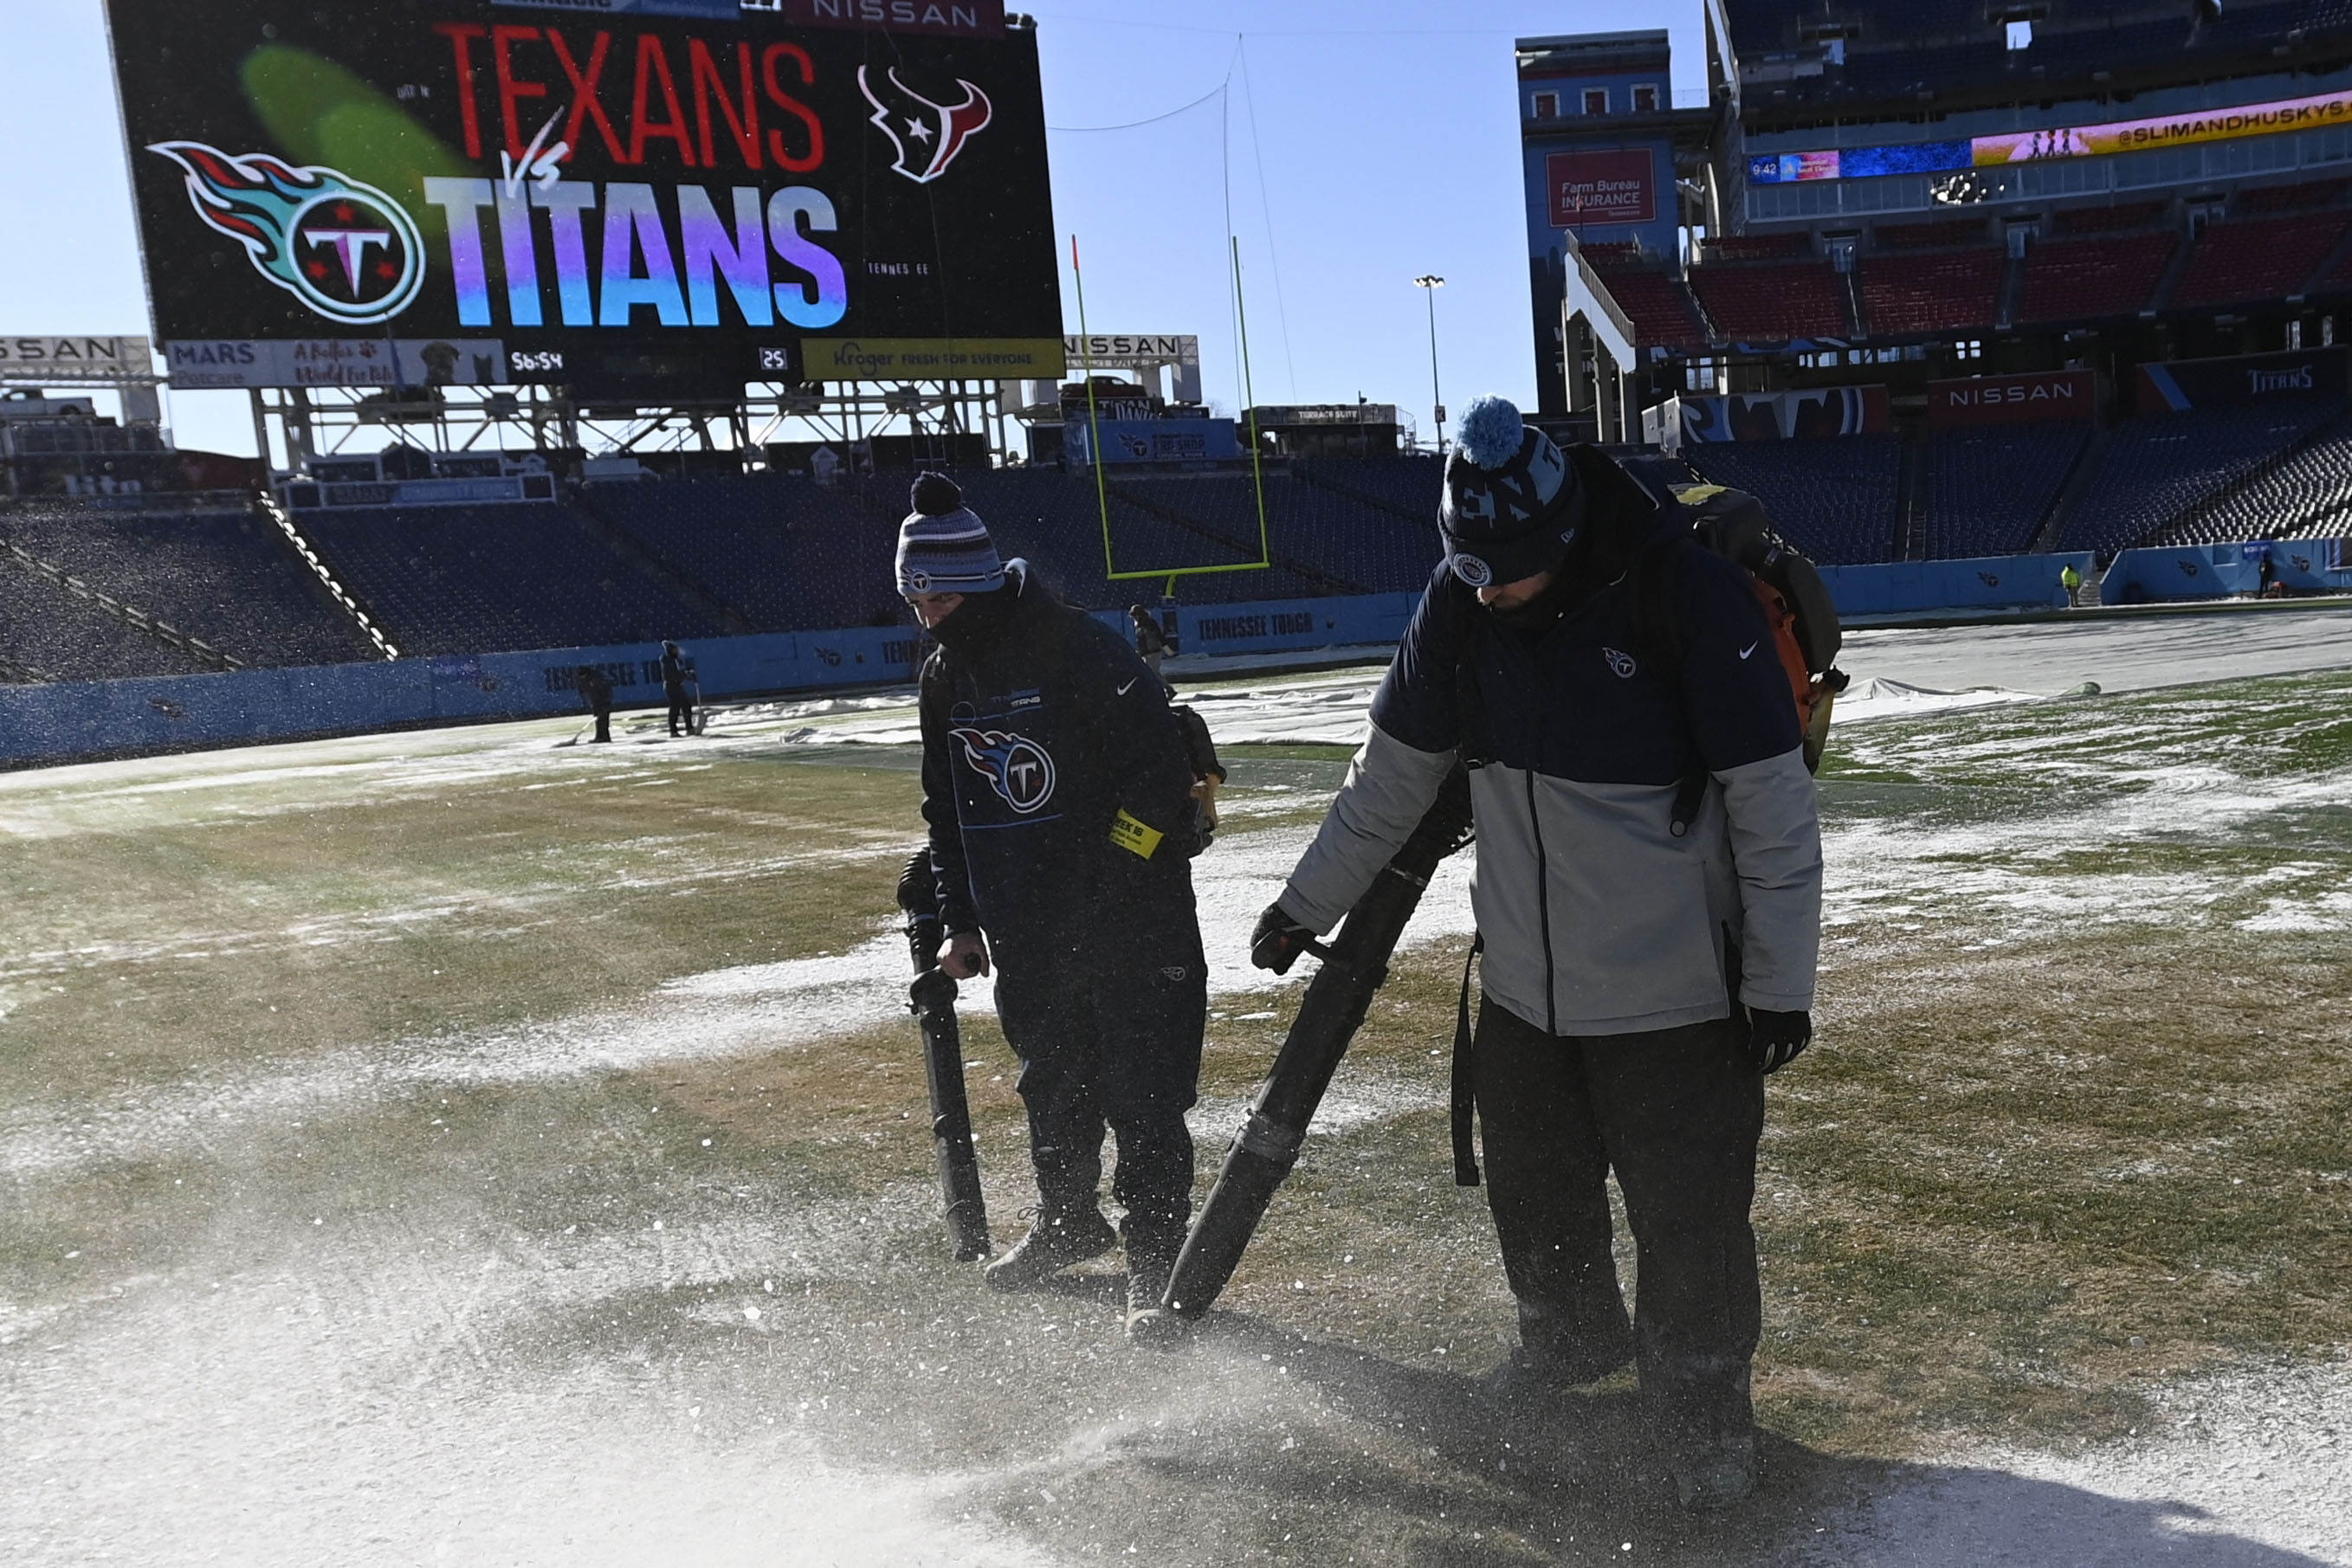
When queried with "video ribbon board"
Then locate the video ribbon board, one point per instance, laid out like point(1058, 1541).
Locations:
point(665, 198)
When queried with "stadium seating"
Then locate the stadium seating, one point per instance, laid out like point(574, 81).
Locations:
point(1407, 487)
point(2159, 467)
point(1760, 247)
point(2088, 279)
point(1773, 302)
point(229, 579)
point(471, 580)
point(1833, 497)
point(1940, 235)
point(1990, 490)
point(1323, 538)
point(2288, 198)
point(2264, 259)
point(2111, 220)
point(1661, 310)
point(49, 635)
point(2307, 494)
point(1947, 292)
point(782, 552)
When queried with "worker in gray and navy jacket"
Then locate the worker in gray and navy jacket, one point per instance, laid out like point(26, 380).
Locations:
point(1648, 893)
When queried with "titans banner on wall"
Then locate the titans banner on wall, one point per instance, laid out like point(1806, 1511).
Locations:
point(668, 195)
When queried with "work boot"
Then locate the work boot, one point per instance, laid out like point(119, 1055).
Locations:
point(1706, 1435)
point(1553, 1358)
point(1713, 1472)
point(1053, 1243)
point(1148, 1321)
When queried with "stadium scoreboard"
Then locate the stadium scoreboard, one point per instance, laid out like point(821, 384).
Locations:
point(666, 198)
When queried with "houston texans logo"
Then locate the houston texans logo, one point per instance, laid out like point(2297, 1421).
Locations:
point(1016, 767)
point(927, 135)
point(345, 249)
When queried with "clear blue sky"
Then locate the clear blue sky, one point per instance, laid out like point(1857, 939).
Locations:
point(1385, 133)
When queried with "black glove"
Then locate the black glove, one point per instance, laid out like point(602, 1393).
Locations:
point(1278, 940)
point(1776, 1039)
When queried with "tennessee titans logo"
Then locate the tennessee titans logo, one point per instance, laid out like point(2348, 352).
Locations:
point(927, 135)
point(1016, 767)
point(346, 250)
point(1621, 665)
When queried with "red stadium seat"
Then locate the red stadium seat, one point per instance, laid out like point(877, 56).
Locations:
point(2257, 258)
point(1952, 291)
point(2088, 279)
point(1772, 303)
point(1656, 303)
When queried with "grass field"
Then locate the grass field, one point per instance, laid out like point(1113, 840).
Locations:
point(456, 1147)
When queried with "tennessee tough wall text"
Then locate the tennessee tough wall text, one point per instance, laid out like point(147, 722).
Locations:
point(587, 197)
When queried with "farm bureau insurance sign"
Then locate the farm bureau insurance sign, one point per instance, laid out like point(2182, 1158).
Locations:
point(673, 191)
point(1590, 189)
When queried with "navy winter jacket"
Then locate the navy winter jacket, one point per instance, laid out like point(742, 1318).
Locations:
point(1037, 738)
point(1597, 918)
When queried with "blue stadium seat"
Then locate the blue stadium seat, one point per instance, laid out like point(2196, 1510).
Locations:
point(1989, 490)
point(476, 580)
point(2160, 467)
point(49, 635)
point(1833, 497)
point(785, 553)
point(229, 579)
point(2307, 494)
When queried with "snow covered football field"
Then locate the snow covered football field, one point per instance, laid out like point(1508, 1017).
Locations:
point(462, 1146)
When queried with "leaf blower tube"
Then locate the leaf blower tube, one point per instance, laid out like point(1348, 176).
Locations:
point(1355, 965)
point(931, 999)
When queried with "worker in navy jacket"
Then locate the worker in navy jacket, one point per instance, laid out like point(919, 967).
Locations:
point(1060, 794)
point(1648, 893)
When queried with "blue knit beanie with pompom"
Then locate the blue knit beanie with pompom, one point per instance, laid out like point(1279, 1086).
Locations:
point(1513, 504)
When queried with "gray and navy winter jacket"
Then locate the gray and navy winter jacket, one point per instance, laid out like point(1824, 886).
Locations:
point(1597, 918)
point(1037, 736)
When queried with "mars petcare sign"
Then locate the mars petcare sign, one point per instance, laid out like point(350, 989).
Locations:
point(2014, 399)
point(682, 189)
point(1589, 189)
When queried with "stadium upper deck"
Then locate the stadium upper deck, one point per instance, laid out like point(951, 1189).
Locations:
point(1898, 193)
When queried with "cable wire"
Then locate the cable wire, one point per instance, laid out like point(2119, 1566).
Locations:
point(1130, 125)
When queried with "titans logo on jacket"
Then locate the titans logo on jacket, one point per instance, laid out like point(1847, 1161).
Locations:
point(1018, 768)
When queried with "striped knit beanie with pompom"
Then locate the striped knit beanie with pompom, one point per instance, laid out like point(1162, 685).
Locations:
point(943, 547)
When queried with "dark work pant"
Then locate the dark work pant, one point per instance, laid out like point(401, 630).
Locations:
point(1676, 1112)
point(681, 714)
point(1109, 1035)
point(604, 723)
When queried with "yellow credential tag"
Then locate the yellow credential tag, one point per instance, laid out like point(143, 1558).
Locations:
point(1131, 833)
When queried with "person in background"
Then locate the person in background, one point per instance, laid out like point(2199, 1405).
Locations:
point(1150, 641)
point(596, 695)
point(677, 672)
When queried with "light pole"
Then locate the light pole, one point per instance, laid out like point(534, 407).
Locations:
point(1430, 283)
